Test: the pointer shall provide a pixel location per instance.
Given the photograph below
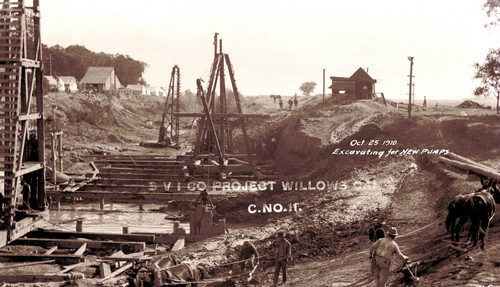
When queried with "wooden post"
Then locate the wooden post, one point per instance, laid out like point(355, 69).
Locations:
point(410, 86)
point(79, 226)
point(60, 152)
point(54, 167)
point(125, 229)
point(101, 205)
point(323, 85)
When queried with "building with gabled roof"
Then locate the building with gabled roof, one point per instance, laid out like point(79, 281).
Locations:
point(69, 83)
point(359, 85)
point(101, 79)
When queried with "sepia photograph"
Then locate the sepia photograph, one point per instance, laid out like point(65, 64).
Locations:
point(249, 143)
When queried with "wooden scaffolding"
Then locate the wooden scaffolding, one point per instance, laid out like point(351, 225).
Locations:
point(213, 150)
point(21, 119)
point(172, 106)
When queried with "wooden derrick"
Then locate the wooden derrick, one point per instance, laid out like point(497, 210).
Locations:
point(21, 114)
point(172, 107)
point(214, 134)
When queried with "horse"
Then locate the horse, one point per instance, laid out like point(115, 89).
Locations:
point(181, 275)
point(458, 208)
point(146, 274)
point(482, 210)
point(492, 187)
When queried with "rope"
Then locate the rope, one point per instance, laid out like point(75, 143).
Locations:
point(239, 261)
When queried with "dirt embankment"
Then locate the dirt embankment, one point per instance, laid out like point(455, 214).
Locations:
point(408, 190)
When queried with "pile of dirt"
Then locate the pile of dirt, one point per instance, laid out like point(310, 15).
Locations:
point(468, 104)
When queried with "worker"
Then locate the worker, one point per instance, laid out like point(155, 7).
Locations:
point(381, 253)
point(26, 191)
point(249, 256)
point(295, 101)
point(290, 104)
point(280, 102)
point(32, 148)
point(283, 254)
point(377, 231)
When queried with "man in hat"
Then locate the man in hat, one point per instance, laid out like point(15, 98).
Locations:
point(377, 231)
point(381, 252)
point(283, 254)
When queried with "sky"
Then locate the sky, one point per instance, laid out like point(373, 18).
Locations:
point(276, 45)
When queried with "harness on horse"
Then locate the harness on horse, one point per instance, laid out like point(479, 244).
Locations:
point(491, 212)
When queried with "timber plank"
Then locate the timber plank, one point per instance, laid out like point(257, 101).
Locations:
point(127, 246)
point(59, 258)
point(81, 250)
point(95, 236)
point(18, 278)
point(104, 269)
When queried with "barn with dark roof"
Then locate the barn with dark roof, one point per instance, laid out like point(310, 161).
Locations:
point(359, 86)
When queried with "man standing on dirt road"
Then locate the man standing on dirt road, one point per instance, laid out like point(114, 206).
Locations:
point(283, 254)
point(381, 253)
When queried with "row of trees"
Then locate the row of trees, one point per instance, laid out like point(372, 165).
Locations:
point(489, 71)
point(75, 60)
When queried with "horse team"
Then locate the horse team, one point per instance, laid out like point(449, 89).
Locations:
point(479, 207)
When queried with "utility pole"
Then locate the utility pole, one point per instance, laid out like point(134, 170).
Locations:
point(323, 85)
point(410, 85)
point(413, 92)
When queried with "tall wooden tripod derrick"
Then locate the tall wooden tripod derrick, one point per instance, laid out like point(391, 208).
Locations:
point(21, 110)
point(172, 107)
point(213, 150)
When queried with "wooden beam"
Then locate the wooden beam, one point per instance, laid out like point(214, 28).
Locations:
point(89, 235)
point(73, 266)
point(104, 270)
point(26, 264)
point(128, 246)
point(179, 244)
point(127, 258)
point(81, 250)
point(17, 278)
point(486, 172)
point(59, 258)
point(116, 272)
point(51, 250)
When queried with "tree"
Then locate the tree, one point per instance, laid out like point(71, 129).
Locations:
point(489, 74)
point(307, 87)
point(492, 11)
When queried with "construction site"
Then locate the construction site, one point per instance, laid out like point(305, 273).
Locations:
point(164, 191)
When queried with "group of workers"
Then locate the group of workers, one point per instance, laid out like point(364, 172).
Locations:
point(249, 257)
point(383, 248)
point(292, 103)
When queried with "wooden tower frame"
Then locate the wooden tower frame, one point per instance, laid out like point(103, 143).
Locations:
point(172, 107)
point(214, 134)
point(21, 117)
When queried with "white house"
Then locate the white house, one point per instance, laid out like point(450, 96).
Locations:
point(69, 83)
